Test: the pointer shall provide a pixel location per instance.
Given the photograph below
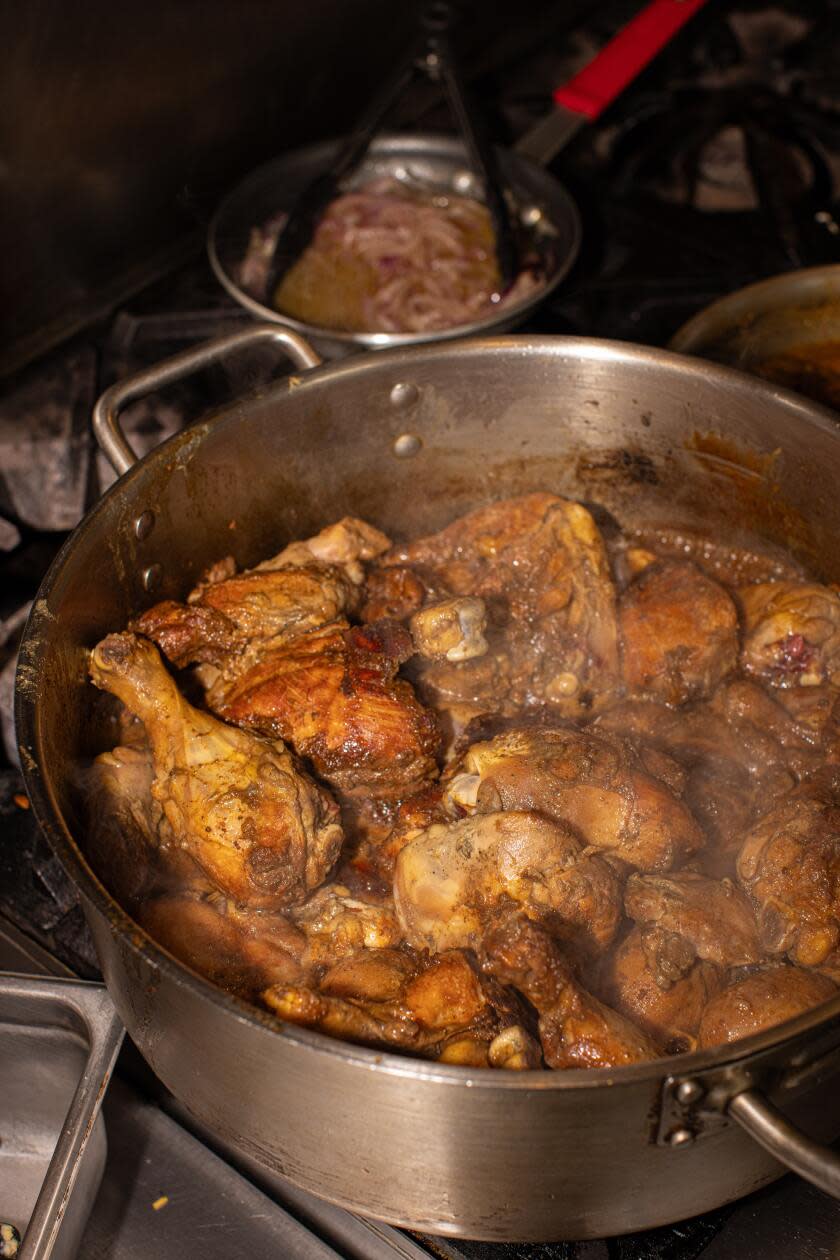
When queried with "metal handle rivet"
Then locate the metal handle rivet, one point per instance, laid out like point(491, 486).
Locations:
point(680, 1137)
point(151, 577)
point(689, 1091)
point(144, 524)
point(404, 394)
point(406, 445)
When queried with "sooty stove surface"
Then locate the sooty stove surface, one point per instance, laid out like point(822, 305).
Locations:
point(719, 167)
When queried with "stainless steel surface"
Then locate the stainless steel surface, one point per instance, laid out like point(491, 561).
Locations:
point(431, 161)
point(106, 413)
point(122, 126)
point(58, 1043)
point(785, 1142)
point(477, 1153)
point(551, 134)
point(796, 308)
point(164, 1193)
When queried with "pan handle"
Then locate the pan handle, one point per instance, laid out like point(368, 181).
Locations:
point(772, 1130)
point(106, 412)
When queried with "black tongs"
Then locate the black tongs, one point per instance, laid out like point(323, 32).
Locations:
point(431, 54)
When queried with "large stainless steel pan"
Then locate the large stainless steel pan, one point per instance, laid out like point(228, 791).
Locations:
point(408, 439)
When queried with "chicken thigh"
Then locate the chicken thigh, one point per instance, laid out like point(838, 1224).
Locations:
point(576, 1029)
point(669, 1010)
point(712, 915)
point(451, 879)
point(336, 923)
point(791, 633)
point(261, 830)
point(761, 998)
point(678, 631)
point(593, 783)
point(334, 696)
point(790, 866)
point(442, 1008)
point(241, 953)
point(540, 566)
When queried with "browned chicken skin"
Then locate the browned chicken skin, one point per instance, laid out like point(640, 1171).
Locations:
point(576, 1029)
point(451, 879)
point(334, 696)
point(790, 866)
point(260, 829)
point(712, 915)
point(540, 566)
point(760, 999)
point(679, 632)
point(442, 1008)
point(230, 622)
point(734, 755)
point(791, 633)
point(593, 783)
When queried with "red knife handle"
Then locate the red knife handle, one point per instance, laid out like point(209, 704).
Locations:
point(608, 73)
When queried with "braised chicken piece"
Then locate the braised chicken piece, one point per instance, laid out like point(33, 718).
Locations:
point(231, 618)
point(791, 633)
point(711, 915)
point(576, 1029)
point(241, 953)
point(735, 766)
point(632, 980)
point(259, 827)
point(451, 879)
point(347, 545)
point(334, 696)
point(442, 1008)
point(678, 631)
point(395, 593)
point(376, 855)
point(790, 866)
point(594, 783)
point(761, 998)
point(540, 565)
point(230, 622)
point(336, 923)
point(124, 833)
point(452, 630)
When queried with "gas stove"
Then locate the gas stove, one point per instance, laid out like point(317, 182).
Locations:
point(719, 167)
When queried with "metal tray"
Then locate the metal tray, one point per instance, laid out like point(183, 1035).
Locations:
point(58, 1043)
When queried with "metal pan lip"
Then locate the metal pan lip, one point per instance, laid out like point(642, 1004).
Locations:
point(788, 289)
point(408, 146)
point(50, 817)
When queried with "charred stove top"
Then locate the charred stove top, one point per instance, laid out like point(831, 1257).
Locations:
point(719, 167)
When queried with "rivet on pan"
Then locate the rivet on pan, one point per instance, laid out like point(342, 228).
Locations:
point(680, 1137)
point(151, 577)
point(404, 395)
point(463, 182)
point(144, 524)
point(531, 216)
point(689, 1092)
point(406, 445)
